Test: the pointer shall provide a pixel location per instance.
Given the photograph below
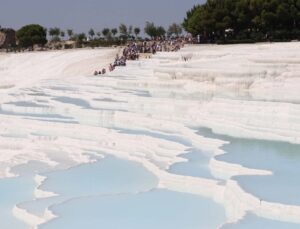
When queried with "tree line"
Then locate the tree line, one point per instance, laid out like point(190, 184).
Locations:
point(35, 34)
point(256, 20)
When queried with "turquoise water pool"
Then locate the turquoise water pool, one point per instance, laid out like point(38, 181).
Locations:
point(196, 165)
point(93, 194)
point(107, 176)
point(282, 158)
point(12, 192)
point(255, 222)
point(158, 209)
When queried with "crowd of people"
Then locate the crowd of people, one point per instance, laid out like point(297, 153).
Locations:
point(161, 46)
point(133, 50)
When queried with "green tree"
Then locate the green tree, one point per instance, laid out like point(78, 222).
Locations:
point(106, 33)
point(62, 34)
point(130, 30)
point(137, 31)
point(123, 30)
point(54, 33)
point(70, 33)
point(91, 33)
point(189, 14)
point(99, 34)
point(31, 35)
point(114, 31)
point(160, 31)
point(245, 18)
point(175, 30)
point(150, 29)
point(81, 37)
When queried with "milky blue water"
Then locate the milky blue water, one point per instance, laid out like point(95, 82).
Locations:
point(159, 209)
point(108, 176)
point(155, 134)
point(115, 193)
point(282, 158)
point(197, 161)
point(90, 195)
point(12, 192)
point(255, 222)
point(196, 165)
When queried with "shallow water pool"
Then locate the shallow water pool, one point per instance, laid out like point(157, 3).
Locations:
point(282, 158)
point(12, 192)
point(158, 209)
point(255, 222)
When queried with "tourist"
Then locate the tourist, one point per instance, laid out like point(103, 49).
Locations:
point(132, 51)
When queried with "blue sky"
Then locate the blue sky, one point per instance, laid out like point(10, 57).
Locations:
point(81, 15)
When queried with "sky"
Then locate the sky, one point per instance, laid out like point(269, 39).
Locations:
point(81, 15)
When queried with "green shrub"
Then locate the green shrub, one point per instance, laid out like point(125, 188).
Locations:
point(31, 35)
